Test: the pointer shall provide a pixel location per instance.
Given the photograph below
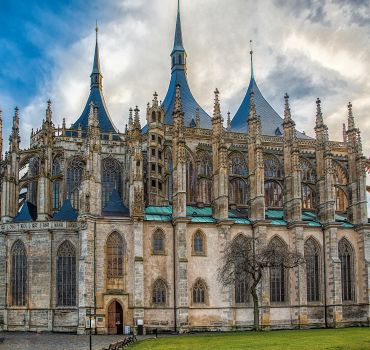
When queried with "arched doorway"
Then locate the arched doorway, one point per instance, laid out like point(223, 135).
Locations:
point(115, 318)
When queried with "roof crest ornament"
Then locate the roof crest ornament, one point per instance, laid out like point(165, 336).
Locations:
point(251, 53)
point(351, 119)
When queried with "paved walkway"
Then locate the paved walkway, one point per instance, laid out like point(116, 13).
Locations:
point(55, 341)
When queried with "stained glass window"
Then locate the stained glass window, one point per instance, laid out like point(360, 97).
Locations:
point(115, 250)
point(199, 292)
point(159, 292)
point(19, 274)
point(308, 197)
point(312, 256)
point(158, 242)
point(111, 179)
point(198, 244)
point(277, 279)
point(75, 172)
point(66, 275)
point(274, 197)
point(238, 192)
point(346, 257)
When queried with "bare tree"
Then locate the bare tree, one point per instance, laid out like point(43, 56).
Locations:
point(244, 259)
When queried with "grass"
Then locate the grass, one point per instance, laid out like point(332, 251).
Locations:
point(334, 339)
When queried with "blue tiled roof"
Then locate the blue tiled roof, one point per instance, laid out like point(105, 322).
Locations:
point(271, 122)
point(105, 122)
point(115, 207)
point(27, 213)
point(189, 104)
point(66, 212)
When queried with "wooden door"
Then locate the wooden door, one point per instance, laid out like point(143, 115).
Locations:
point(115, 318)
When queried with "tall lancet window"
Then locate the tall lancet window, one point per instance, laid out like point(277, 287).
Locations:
point(313, 270)
point(115, 250)
point(341, 181)
point(238, 175)
point(33, 173)
point(190, 179)
point(56, 178)
point(346, 256)
point(168, 175)
point(75, 172)
point(18, 274)
point(66, 274)
point(278, 278)
point(204, 177)
point(274, 195)
point(111, 179)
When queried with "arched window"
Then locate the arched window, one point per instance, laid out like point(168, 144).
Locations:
point(168, 176)
point(198, 244)
point(190, 179)
point(199, 292)
point(205, 190)
point(115, 248)
point(346, 256)
point(75, 172)
point(56, 174)
point(272, 168)
point(341, 202)
point(111, 179)
point(313, 269)
point(237, 165)
point(205, 164)
point(159, 292)
point(241, 292)
point(340, 176)
point(19, 274)
point(238, 191)
point(158, 242)
point(308, 171)
point(278, 278)
point(33, 172)
point(308, 197)
point(154, 119)
point(66, 275)
point(274, 197)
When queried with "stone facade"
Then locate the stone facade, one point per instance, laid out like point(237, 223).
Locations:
point(198, 188)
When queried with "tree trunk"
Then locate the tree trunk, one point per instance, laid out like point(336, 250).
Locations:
point(256, 310)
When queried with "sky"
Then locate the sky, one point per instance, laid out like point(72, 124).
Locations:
point(307, 48)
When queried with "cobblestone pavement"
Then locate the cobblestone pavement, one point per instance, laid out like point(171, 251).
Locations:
point(54, 341)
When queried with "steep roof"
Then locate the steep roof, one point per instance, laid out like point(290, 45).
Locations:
point(66, 212)
point(179, 76)
point(27, 213)
point(96, 96)
point(115, 207)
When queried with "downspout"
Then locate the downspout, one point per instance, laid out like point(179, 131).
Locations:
point(324, 264)
point(174, 282)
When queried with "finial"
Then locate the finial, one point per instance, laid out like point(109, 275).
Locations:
point(319, 118)
point(252, 107)
point(351, 119)
point(64, 123)
point(96, 30)
point(228, 126)
point(178, 102)
point(155, 99)
point(344, 133)
point(130, 120)
point(216, 107)
point(48, 113)
point(287, 114)
point(251, 53)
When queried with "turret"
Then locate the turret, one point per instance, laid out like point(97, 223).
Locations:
point(155, 120)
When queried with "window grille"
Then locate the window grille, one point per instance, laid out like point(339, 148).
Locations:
point(66, 275)
point(241, 292)
point(278, 278)
point(158, 242)
point(237, 165)
point(19, 274)
point(274, 197)
point(75, 172)
point(308, 197)
point(238, 192)
point(198, 244)
point(341, 202)
point(272, 168)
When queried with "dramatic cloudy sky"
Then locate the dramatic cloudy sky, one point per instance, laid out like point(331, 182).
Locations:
point(310, 49)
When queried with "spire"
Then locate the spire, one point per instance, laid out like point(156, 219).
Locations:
point(178, 102)
point(137, 118)
point(96, 77)
point(351, 119)
point(130, 119)
point(251, 53)
point(177, 43)
point(14, 137)
point(228, 126)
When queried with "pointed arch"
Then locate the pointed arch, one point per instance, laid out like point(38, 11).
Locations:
point(308, 197)
point(158, 242)
point(18, 274)
point(159, 292)
point(66, 274)
point(114, 255)
point(191, 177)
point(312, 255)
point(340, 174)
point(74, 176)
point(272, 167)
point(347, 259)
point(341, 201)
point(199, 292)
point(199, 243)
point(112, 179)
point(274, 196)
point(56, 185)
point(278, 276)
point(238, 191)
point(308, 171)
point(237, 164)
